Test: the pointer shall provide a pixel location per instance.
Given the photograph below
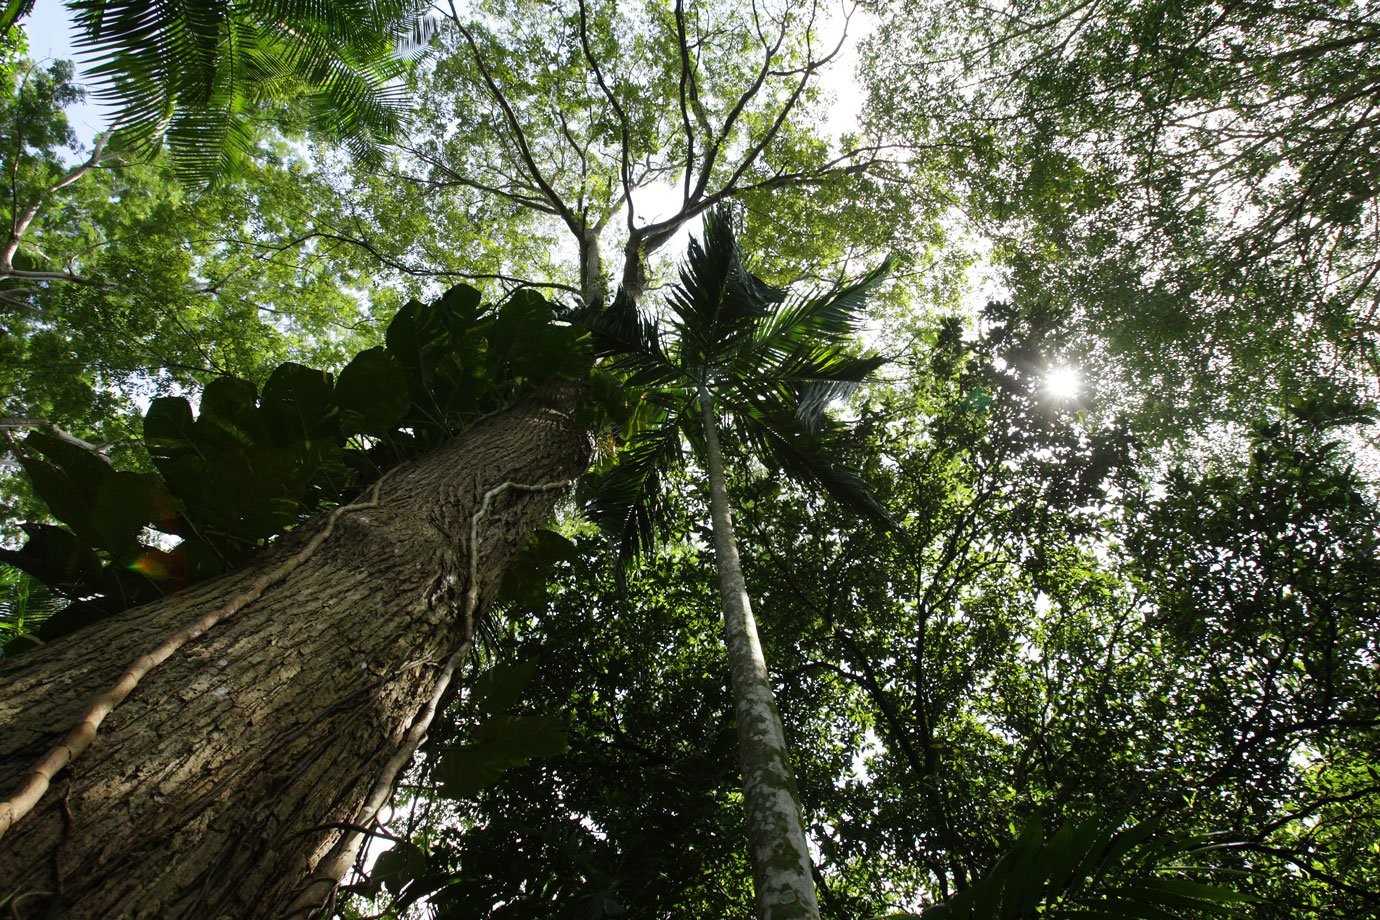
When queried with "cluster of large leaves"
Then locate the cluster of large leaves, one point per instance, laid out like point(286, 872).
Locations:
point(254, 462)
point(770, 362)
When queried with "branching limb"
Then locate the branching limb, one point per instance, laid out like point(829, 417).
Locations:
point(22, 219)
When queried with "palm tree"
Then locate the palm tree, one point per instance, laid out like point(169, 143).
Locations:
point(195, 71)
point(740, 352)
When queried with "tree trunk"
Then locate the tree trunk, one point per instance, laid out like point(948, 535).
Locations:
point(219, 787)
point(780, 859)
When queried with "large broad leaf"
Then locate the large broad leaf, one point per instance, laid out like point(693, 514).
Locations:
point(499, 688)
point(169, 428)
point(527, 576)
point(126, 503)
point(230, 416)
point(398, 867)
point(372, 393)
point(1092, 869)
point(71, 618)
point(68, 477)
point(501, 743)
point(458, 309)
point(299, 404)
point(56, 557)
point(439, 348)
point(526, 346)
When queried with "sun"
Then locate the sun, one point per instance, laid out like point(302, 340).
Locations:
point(1063, 382)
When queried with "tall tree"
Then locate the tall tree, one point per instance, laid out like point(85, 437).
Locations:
point(619, 124)
point(739, 347)
point(247, 729)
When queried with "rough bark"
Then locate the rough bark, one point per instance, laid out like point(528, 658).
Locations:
point(777, 850)
point(220, 784)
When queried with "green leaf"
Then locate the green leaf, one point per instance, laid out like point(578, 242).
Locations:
point(397, 867)
point(169, 427)
point(527, 576)
point(67, 477)
point(497, 689)
point(372, 393)
point(458, 309)
point(229, 416)
point(299, 404)
point(501, 743)
point(128, 501)
point(56, 557)
point(189, 562)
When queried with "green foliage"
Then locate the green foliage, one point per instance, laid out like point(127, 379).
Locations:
point(196, 72)
point(1188, 183)
point(769, 360)
point(24, 604)
point(499, 741)
point(642, 814)
point(1092, 869)
point(251, 464)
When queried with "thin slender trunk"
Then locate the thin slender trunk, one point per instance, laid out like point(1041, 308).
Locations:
point(225, 784)
point(776, 834)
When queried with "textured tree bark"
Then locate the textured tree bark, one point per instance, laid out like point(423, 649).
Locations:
point(218, 786)
point(777, 851)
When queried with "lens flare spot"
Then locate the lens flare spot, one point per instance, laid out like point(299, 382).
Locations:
point(1063, 382)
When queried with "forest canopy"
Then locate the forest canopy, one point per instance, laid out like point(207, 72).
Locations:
point(1047, 394)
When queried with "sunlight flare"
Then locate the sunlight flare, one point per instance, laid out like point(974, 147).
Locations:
point(1063, 382)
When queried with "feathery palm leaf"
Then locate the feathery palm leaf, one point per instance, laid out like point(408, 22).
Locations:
point(626, 339)
point(716, 300)
point(1093, 870)
point(191, 71)
point(627, 501)
point(775, 434)
point(770, 363)
point(832, 318)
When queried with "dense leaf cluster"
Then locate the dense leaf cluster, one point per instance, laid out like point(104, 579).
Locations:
point(251, 464)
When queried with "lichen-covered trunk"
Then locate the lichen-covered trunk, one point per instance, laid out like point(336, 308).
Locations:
point(777, 851)
point(225, 781)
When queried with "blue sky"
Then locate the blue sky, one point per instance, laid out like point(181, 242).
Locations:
point(48, 28)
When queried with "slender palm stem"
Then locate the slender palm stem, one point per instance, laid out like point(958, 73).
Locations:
point(776, 835)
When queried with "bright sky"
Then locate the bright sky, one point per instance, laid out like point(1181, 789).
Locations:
point(50, 37)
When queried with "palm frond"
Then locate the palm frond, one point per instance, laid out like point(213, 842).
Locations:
point(773, 431)
point(716, 299)
point(833, 316)
point(191, 72)
point(826, 385)
point(1094, 869)
point(627, 501)
point(627, 339)
point(810, 382)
